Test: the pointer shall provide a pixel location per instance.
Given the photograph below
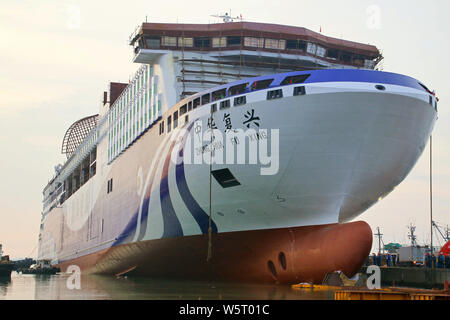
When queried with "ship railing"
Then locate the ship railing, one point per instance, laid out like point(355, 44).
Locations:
point(53, 197)
point(133, 36)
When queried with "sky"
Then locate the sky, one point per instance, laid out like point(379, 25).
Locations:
point(57, 58)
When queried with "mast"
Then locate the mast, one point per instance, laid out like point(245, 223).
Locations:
point(413, 238)
point(378, 234)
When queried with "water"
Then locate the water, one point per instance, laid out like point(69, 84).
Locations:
point(54, 287)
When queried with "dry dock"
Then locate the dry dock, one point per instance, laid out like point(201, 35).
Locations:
point(413, 277)
point(391, 294)
point(398, 284)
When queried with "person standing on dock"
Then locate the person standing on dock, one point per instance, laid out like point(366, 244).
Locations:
point(427, 260)
point(447, 261)
point(388, 259)
point(441, 261)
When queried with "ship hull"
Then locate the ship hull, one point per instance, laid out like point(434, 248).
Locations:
point(343, 146)
point(6, 269)
point(287, 255)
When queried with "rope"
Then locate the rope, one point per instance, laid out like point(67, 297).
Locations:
point(29, 255)
point(208, 258)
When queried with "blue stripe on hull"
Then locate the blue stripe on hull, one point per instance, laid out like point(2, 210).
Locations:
point(197, 212)
point(172, 226)
point(200, 216)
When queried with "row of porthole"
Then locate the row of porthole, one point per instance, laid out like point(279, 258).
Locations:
point(238, 90)
point(225, 104)
point(272, 94)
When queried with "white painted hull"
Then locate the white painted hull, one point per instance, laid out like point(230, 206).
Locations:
point(339, 154)
point(342, 147)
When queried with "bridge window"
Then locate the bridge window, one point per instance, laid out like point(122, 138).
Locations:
point(291, 44)
point(254, 42)
point(302, 45)
point(238, 89)
point(333, 53)
point(295, 79)
point(202, 42)
point(169, 41)
point(153, 42)
point(189, 105)
point(219, 42)
point(320, 51)
point(311, 48)
point(346, 56)
point(261, 84)
point(296, 44)
point(275, 44)
point(358, 60)
point(369, 64)
point(274, 94)
point(206, 98)
point(213, 107)
point(219, 94)
point(233, 41)
point(185, 42)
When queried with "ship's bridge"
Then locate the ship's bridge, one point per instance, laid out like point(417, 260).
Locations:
point(206, 55)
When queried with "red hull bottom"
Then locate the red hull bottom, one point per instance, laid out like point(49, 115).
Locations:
point(288, 255)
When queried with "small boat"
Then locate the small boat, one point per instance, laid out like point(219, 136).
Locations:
point(41, 267)
point(5, 265)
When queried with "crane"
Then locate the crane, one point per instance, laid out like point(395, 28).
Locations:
point(446, 237)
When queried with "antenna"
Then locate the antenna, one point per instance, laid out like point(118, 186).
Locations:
point(411, 235)
point(227, 18)
point(378, 234)
point(413, 238)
